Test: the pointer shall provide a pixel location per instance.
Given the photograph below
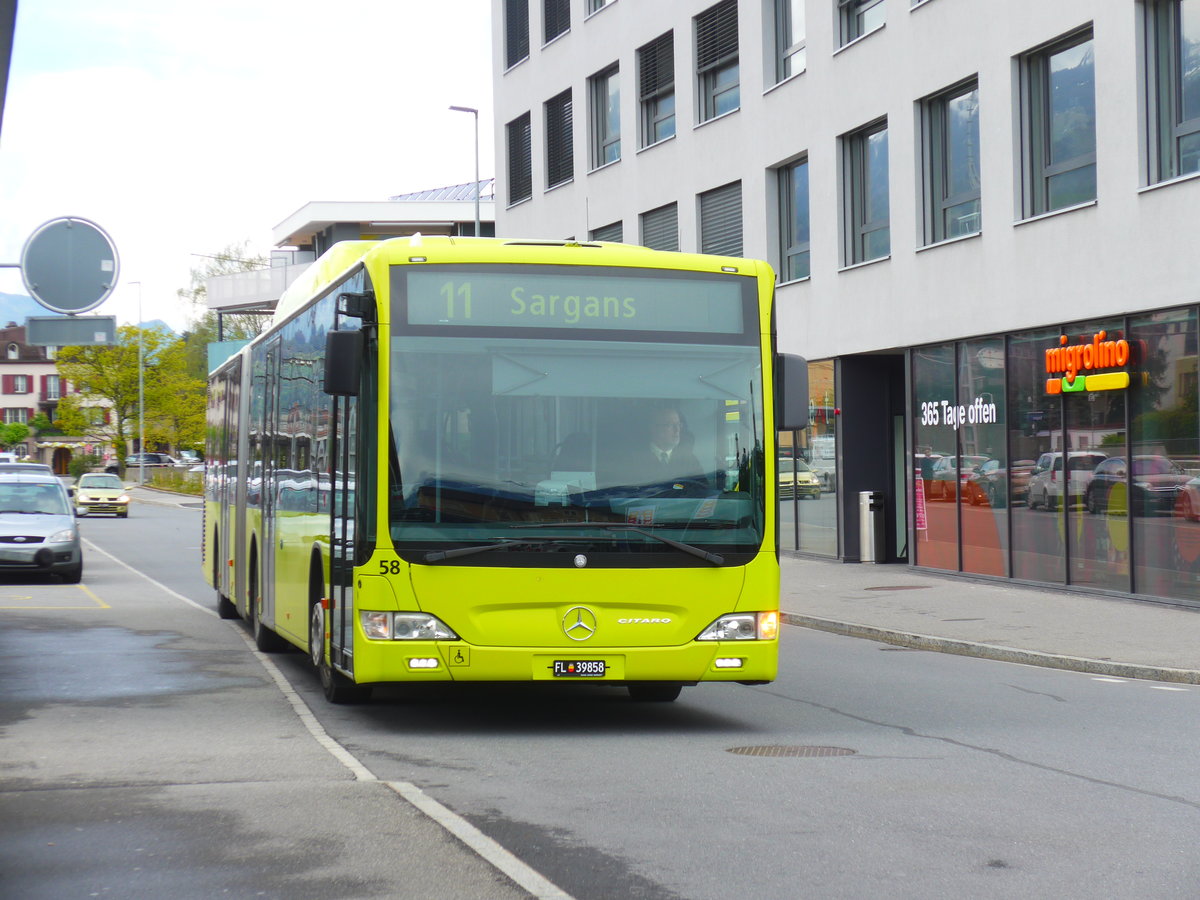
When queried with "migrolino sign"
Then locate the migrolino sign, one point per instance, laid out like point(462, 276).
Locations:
point(1072, 365)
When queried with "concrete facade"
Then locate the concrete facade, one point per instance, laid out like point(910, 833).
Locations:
point(1124, 252)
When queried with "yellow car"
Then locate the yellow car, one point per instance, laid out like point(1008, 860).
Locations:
point(96, 492)
point(798, 482)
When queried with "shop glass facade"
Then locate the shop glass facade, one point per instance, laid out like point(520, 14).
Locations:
point(1067, 455)
point(807, 495)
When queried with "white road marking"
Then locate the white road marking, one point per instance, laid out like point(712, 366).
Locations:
point(490, 851)
point(1164, 687)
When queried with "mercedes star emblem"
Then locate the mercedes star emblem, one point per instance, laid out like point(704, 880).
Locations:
point(579, 623)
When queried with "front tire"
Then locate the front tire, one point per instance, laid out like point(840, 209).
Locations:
point(73, 575)
point(337, 687)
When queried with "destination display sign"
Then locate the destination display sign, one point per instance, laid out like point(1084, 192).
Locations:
point(569, 297)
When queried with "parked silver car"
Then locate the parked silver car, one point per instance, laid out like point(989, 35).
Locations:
point(38, 532)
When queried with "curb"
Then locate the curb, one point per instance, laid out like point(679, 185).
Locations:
point(995, 651)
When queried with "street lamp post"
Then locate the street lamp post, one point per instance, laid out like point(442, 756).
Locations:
point(475, 113)
point(141, 394)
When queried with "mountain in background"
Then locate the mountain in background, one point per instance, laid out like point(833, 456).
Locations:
point(17, 308)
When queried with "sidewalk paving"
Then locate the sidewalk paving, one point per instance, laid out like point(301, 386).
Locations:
point(1017, 623)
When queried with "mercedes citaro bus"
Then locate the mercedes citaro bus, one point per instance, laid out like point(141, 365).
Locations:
point(480, 460)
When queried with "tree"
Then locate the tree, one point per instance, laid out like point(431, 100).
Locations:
point(43, 426)
point(175, 402)
point(106, 408)
point(234, 326)
point(12, 433)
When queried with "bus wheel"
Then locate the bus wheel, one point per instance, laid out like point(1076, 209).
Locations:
point(337, 687)
point(654, 693)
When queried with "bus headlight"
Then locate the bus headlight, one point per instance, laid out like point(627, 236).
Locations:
point(405, 626)
point(761, 626)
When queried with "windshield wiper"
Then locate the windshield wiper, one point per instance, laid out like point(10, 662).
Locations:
point(714, 558)
point(439, 555)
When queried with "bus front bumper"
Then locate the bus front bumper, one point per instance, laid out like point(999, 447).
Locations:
point(424, 661)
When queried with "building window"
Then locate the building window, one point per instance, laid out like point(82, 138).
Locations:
point(656, 89)
point(865, 179)
point(20, 384)
point(660, 228)
point(51, 352)
point(790, 45)
point(596, 5)
point(1173, 78)
point(15, 414)
point(556, 19)
point(950, 135)
point(53, 388)
point(605, 91)
point(1059, 125)
point(14, 352)
point(520, 160)
point(560, 162)
point(858, 17)
point(717, 60)
point(613, 232)
point(516, 32)
point(721, 220)
point(793, 221)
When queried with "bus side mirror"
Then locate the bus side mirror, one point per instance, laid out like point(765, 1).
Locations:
point(343, 362)
point(791, 392)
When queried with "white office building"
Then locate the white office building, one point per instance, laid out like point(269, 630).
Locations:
point(982, 215)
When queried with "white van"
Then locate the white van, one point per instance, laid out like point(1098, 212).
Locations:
point(1046, 479)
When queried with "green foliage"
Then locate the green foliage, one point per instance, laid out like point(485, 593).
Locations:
point(42, 425)
point(179, 480)
point(78, 465)
point(13, 433)
point(108, 378)
point(203, 329)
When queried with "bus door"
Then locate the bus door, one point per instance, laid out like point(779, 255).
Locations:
point(230, 387)
point(341, 534)
point(345, 474)
point(272, 440)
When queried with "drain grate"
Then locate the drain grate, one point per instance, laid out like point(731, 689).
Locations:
point(783, 750)
point(898, 587)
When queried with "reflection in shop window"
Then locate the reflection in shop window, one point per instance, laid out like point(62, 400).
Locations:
point(808, 472)
point(935, 459)
point(1165, 446)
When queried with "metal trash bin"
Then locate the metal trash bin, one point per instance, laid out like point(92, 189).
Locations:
point(871, 530)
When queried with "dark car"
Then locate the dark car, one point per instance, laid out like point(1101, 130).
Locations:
point(1156, 485)
point(148, 460)
point(949, 474)
point(991, 483)
point(142, 460)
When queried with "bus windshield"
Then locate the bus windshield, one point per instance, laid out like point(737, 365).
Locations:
point(606, 441)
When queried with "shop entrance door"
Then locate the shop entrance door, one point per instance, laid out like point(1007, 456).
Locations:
point(871, 395)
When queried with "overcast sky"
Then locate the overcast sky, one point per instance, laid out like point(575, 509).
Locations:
point(181, 128)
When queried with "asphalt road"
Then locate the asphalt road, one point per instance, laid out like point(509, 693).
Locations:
point(145, 744)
